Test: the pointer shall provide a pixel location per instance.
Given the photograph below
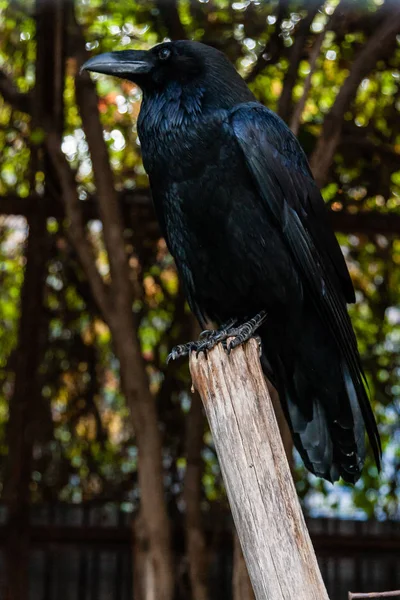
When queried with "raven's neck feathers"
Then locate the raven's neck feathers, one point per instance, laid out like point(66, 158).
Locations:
point(181, 104)
point(170, 108)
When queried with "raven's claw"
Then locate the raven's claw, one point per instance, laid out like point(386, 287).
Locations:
point(209, 338)
point(246, 331)
point(181, 350)
point(210, 334)
point(204, 335)
point(204, 344)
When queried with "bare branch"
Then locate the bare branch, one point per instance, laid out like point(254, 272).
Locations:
point(170, 17)
point(298, 111)
point(109, 208)
point(285, 100)
point(379, 44)
point(394, 594)
point(272, 49)
point(139, 205)
point(336, 17)
point(76, 231)
point(12, 95)
point(362, 146)
point(367, 223)
point(107, 197)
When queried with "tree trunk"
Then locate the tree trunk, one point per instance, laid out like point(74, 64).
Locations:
point(155, 573)
point(154, 570)
point(194, 533)
point(241, 584)
point(47, 100)
point(23, 410)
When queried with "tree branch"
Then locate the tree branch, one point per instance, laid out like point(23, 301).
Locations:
point(285, 100)
point(170, 17)
point(11, 94)
point(139, 205)
point(380, 43)
point(109, 209)
point(76, 230)
point(272, 49)
point(298, 111)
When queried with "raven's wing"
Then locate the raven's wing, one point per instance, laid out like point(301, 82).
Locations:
point(271, 148)
point(280, 171)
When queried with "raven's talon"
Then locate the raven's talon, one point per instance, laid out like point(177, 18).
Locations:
point(259, 342)
point(180, 351)
point(209, 343)
point(207, 333)
point(245, 332)
point(201, 348)
point(237, 341)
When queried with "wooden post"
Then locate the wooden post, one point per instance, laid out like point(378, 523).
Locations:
point(276, 545)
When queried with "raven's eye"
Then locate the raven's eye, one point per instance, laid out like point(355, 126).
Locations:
point(164, 53)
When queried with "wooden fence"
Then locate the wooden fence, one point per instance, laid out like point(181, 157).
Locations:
point(83, 552)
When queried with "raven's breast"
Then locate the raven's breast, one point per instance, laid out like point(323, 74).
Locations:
point(230, 256)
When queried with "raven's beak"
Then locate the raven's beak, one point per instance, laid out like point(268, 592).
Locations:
point(125, 63)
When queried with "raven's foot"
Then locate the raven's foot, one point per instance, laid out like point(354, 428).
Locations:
point(246, 331)
point(210, 338)
point(181, 350)
point(214, 336)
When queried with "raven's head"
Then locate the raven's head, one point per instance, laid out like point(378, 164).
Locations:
point(183, 63)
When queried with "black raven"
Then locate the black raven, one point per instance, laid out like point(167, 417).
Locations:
point(247, 227)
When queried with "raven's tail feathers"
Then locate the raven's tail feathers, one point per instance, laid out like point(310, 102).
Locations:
point(328, 421)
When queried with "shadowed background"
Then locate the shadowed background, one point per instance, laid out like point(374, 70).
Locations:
point(108, 471)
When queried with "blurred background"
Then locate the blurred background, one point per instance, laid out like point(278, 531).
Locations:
point(110, 486)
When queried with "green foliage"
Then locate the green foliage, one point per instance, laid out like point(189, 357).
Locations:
point(89, 450)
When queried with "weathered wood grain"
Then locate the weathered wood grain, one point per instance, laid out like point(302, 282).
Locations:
point(276, 545)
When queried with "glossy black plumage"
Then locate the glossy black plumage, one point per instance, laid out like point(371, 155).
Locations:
point(247, 227)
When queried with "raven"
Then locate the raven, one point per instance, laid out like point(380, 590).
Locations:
point(246, 224)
